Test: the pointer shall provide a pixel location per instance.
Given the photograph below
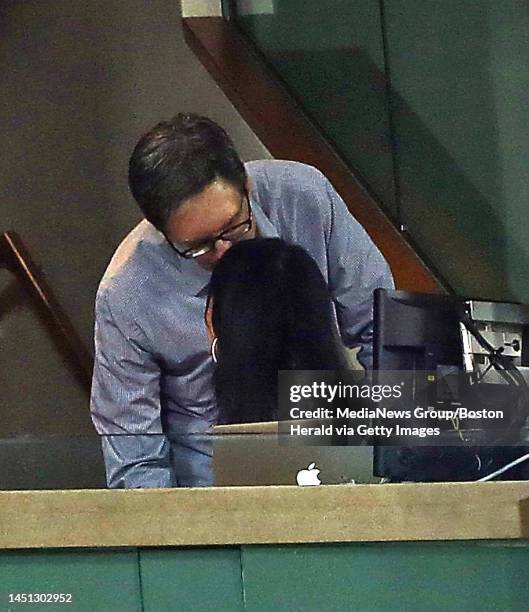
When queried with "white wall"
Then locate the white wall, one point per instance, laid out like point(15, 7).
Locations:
point(81, 80)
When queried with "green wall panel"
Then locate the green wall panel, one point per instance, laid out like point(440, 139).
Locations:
point(191, 580)
point(98, 580)
point(393, 576)
point(470, 576)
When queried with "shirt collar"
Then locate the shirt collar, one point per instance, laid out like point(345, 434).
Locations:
point(264, 225)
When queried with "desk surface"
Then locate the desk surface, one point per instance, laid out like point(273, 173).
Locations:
point(262, 515)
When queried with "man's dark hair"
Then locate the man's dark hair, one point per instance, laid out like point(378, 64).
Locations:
point(271, 311)
point(178, 159)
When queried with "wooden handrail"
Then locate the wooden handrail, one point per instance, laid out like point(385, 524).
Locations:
point(15, 258)
point(287, 133)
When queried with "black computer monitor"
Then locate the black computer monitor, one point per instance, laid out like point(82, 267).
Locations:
point(422, 333)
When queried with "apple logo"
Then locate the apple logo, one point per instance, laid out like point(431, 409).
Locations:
point(308, 477)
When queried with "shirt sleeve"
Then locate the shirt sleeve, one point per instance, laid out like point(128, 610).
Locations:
point(125, 405)
point(356, 269)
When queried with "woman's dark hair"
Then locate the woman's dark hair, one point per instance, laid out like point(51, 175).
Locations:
point(271, 311)
point(176, 160)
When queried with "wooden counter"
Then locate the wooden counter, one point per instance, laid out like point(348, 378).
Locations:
point(262, 515)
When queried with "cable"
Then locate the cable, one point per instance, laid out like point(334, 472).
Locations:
point(505, 368)
point(504, 468)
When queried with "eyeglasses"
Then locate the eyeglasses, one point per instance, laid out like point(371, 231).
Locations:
point(232, 234)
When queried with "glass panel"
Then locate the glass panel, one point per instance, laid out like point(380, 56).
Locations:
point(460, 80)
point(330, 55)
point(39, 461)
point(458, 102)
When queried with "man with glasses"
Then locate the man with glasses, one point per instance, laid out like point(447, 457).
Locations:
point(152, 394)
point(237, 230)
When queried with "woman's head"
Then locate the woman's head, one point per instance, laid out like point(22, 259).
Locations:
point(269, 308)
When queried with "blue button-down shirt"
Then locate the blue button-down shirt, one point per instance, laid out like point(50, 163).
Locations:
point(152, 393)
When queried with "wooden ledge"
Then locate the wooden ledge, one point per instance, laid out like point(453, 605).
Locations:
point(261, 515)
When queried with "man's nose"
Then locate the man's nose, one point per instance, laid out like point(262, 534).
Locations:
point(221, 246)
